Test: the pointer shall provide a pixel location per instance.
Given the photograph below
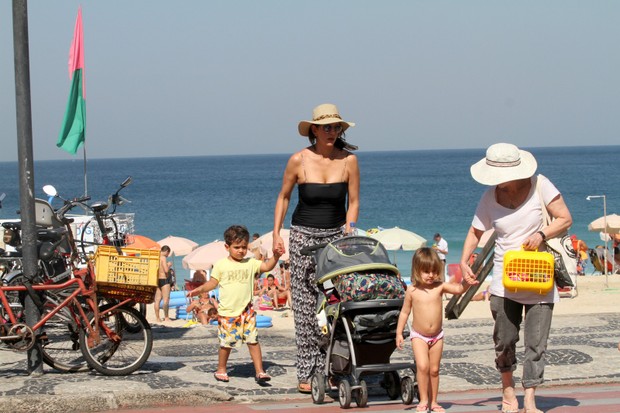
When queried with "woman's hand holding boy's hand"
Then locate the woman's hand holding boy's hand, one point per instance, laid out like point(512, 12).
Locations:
point(278, 244)
point(278, 252)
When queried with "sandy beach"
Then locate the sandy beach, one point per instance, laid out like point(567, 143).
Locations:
point(593, 296)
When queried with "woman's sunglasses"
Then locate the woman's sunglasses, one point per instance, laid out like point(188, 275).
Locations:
point(336, 127)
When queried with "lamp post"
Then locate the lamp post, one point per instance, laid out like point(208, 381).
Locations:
point(589, 197)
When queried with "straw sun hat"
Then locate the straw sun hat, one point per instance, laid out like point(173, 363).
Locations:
point(504, 162)
point(323, 115)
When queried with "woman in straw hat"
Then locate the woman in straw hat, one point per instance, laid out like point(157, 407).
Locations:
point(513, 208)
point(327, 177)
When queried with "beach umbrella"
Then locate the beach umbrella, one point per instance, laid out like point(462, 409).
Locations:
point(142, 242)
point(179, 246)
point(203, 257)
point(399, 239)
point(265, 243)
point(613, 224)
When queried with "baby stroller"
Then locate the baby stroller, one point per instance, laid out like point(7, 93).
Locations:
point(358, 314)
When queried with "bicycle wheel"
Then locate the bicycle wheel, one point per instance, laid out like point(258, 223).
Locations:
point(60, 345)
point(92, 235)
point(123, 349)
point(59, 336)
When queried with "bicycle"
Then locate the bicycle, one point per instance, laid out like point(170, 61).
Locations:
point(105, 227)
point(74, 320)
point(103, 339)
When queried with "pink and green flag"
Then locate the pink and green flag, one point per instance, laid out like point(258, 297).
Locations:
point(73, 131)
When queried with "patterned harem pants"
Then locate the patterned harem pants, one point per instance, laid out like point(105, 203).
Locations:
point(310, 358)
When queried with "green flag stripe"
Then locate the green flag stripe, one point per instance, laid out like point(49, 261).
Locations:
point(73, 131)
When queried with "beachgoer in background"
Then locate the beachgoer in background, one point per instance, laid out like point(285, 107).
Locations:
point(276, 292)
point(581, 249)
point(172, 279)
point(441, 247)
point(163, 284)
point(286, 275)
point(327, 177)
point(513, 208)
point(484, 294)
point(205, 307)
point(255, 246)
point(472, 258)
point(423, 302)
point(200, 276)
point(235, 276)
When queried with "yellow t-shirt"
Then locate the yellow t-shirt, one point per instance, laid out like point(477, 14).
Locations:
point(236, 284)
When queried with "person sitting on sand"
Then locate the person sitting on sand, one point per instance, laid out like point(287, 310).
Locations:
point(205, 307)
point(275, 292)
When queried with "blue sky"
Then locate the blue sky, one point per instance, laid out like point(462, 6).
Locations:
point(197, 77)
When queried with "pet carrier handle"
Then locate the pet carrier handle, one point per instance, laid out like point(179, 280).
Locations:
point(310, 250)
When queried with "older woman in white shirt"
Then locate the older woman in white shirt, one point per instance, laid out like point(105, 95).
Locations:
point(512, 207)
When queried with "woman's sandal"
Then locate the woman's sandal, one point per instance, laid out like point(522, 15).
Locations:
point(510, 407)
point(421, 408)
point(437, 409)
point(262, 377)
point(304, 387)
point(221, 377)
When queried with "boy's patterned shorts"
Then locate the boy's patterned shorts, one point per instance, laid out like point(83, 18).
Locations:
point(234, 331)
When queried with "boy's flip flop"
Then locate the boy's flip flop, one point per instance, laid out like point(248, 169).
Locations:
point(262, 377)
point(221, 377)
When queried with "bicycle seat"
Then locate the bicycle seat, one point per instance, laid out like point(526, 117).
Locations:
point(99, 206)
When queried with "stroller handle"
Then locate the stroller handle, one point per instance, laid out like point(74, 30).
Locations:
point(311, 249)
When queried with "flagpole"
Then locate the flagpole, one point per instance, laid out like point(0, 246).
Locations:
point(85, 174)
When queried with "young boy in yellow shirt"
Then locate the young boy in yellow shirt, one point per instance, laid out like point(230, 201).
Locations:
point(234, 275)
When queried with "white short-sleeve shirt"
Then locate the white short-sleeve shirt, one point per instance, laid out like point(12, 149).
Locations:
point(513, 227)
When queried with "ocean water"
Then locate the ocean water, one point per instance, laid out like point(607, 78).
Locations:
point(422, 191)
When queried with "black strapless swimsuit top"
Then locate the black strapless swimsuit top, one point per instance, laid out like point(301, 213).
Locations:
point(321, 205)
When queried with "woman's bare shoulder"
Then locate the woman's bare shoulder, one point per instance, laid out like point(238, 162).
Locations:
point(297, 157)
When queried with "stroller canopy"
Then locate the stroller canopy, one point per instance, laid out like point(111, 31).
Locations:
point(351, 254)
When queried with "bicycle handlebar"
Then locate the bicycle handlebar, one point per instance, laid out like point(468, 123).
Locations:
point(70, 204)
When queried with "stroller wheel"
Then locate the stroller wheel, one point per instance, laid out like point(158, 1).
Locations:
point(318, 388)
point(344, 394)
point(408, 390)
point(361, 394)
point(391, 383)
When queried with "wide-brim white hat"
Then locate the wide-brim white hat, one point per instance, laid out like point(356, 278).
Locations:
point(323, 115)
point(504, 162)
